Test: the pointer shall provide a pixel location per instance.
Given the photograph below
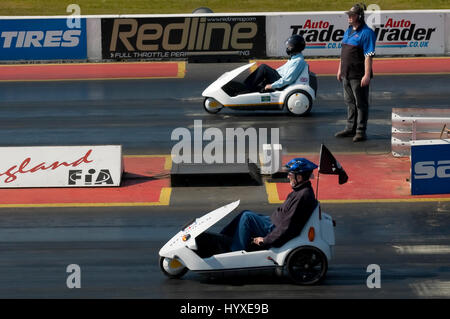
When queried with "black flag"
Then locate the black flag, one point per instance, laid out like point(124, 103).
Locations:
point(329, 165)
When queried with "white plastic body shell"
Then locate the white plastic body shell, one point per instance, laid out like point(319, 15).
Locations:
point(324, 240)
point(257, 99)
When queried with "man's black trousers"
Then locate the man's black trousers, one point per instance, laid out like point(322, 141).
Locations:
point(357, 100)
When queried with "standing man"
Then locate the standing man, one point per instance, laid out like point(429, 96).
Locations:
point(355, 72)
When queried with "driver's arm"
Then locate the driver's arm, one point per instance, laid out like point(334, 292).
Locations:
point(289, 72)
point(284, 221)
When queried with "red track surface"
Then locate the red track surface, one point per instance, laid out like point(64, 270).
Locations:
point(139, 70)
point(147, 182)
point(380, 65)
point(91, 71)
point(371, 177)
point(148, 178)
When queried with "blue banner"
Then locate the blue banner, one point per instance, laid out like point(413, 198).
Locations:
point(430, 169)
point(43, 39)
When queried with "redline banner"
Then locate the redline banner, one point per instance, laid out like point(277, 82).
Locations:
point(61, 166)
point(397, 33)
point(168, 38)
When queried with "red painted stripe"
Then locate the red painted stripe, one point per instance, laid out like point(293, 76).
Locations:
point(88, 71)
point(370, 177)
point(389, 66)
point(145, 185)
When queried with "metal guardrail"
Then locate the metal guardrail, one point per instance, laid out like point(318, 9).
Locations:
point(411, 124)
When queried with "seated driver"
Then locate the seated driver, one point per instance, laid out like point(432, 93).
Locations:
point(267, 78)
point(286, 222)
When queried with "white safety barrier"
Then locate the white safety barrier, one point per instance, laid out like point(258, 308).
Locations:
point(61, 166)
point(94, 43)
point(412, 124)
point(246, 35)
point(447, 32)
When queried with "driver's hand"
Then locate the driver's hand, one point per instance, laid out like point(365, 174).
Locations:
point(268, 87)
point(258, 241)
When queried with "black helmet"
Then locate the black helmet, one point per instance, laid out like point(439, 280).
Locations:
point(295, 44)
point(358, 10)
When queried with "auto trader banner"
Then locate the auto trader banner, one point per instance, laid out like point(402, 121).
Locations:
point(168, 38)
point(405, 33)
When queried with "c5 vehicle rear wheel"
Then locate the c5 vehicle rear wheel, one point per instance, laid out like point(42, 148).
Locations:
point(307, 265)
point(298, 103)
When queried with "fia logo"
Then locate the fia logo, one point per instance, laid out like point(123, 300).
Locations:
point(91, 178)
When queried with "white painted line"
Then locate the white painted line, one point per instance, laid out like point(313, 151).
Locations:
point(422, 249)
point(431, 288)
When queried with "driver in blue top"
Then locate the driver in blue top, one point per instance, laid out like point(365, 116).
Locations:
point(355, 72)
point(249, 230)
point(267, 78)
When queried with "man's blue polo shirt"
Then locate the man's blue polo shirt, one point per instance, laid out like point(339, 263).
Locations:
point(356, 45)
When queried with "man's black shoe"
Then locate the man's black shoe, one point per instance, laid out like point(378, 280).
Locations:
point(345, 133)
point(359, 137)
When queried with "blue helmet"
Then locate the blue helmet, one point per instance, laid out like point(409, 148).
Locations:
point(300, 165)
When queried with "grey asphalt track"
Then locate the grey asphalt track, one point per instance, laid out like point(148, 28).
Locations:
point(117, 248)
point(141, 114)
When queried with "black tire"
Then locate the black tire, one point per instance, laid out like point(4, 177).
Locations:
point(306, 265)
point(208, 110)
point(305, 94)
point(173, 276)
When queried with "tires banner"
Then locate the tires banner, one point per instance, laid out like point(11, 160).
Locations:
point(169, 38)
point(61, 166)
point(397, 33)
point(42, 39)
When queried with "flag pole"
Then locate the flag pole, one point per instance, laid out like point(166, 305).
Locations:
point(318, 174)
point(317, 186)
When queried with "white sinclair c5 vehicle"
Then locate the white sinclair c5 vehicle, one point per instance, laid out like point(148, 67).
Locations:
point(227, 91)
point(304, 259)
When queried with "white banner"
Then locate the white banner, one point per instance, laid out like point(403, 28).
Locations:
point(61, 166)
point(398, 33)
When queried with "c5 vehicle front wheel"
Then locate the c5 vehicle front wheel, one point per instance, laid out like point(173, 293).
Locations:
point(211, 105)
point(172, 268)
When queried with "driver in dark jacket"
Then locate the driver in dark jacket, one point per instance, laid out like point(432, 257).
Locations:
point(287, 222)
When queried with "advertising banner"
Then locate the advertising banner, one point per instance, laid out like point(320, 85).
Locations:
point(430, 167)
point(61, 166)
point(168, 38)
point(397, 33)
point(42, 39)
